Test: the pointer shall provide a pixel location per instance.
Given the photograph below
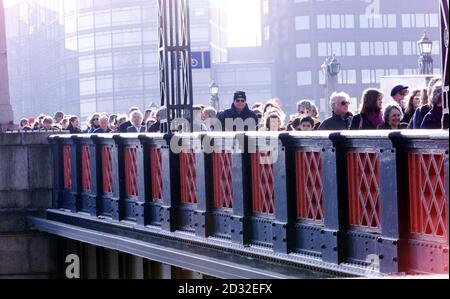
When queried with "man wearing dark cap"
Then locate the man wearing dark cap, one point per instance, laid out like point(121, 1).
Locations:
point(239, 113)
point(399, 93)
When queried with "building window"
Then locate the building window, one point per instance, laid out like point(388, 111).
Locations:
point(379, 48)
point(347, 77)
point(420, 20)
point(304, 78)
point(335, 21)
point(266, 32)
point(373, 76)
point(302, 23)
point(303, 50)
point(378, 21)
point(336, 48)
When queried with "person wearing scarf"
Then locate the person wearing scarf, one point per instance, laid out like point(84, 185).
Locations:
point(370, 116)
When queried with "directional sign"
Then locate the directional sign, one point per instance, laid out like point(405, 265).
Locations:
point(201, 60)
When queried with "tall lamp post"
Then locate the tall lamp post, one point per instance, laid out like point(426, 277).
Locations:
point(425, 49)
point(214, 91)
point(331, 69)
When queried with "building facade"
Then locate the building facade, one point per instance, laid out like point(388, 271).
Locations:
point(83, 56)
point(370, 39)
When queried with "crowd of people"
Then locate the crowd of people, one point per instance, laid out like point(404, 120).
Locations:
point(416, 109)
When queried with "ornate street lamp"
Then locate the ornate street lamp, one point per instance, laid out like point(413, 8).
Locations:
point(425, 49)
point(214, 91)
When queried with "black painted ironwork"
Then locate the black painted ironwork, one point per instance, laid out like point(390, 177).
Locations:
point(444, 45)
point(175, 71)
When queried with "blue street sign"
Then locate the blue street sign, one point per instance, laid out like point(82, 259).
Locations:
point(201, 60)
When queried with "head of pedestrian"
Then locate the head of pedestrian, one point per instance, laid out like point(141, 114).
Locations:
point(393, 115)
point(59, 117)
point(94, 120)
point(307, 123)
point(304, 108)
point(136, 118)
point(48, 123)
point(104, 122)
point(273, 122)
point(340, 102)
point(399, 93)
point(240, 100)
point(23, 123)
point(74, 121)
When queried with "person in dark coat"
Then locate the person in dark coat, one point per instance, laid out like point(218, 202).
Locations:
point(123, 128)
point(239, 110)
point(398, 94)
point(74, 125)
point(104, 125)
point(433, 120)
point(136, 118)
point(341, 118)
point(413, 103)
point(370, 116)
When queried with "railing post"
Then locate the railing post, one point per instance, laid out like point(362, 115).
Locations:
point(71, 186)
point(269, 208)
point(107, 176)
point(373, 230)
point(314, 210)
point(89, 199)
point(423, 163)
point(131, 177)
point(58, 174)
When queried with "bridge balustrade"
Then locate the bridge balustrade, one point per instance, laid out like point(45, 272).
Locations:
point(358, 202)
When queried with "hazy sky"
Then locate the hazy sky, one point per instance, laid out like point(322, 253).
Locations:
point(244, 23)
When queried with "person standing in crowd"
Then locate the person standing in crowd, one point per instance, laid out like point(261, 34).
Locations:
point(307, 123)
point(427, 96)
point(156, 126)
point(412, 104)
point(392, 118)
point(136, 118)
point(197, 118)
point(239, 110)
point(433, 120)
point(273, 123)
point(124, 127)
point(58, 117)
point(48, 124)
point(93, 123)
point(370, 116)
point(23, 123)
point(306, 108)
point(295, 124)
point(74, 125)
point(103, 125)
point(209, 116)
point(398, 94)
point(341, 118)
point(64, 123)
point(38, 123)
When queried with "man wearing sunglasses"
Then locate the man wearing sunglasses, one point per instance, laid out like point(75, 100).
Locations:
point(399, 93)
point(341, 118)
point(239, 117)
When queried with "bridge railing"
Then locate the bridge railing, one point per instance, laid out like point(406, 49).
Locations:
point(367, 201)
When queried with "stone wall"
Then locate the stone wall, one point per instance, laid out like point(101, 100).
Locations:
point(26, 180)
